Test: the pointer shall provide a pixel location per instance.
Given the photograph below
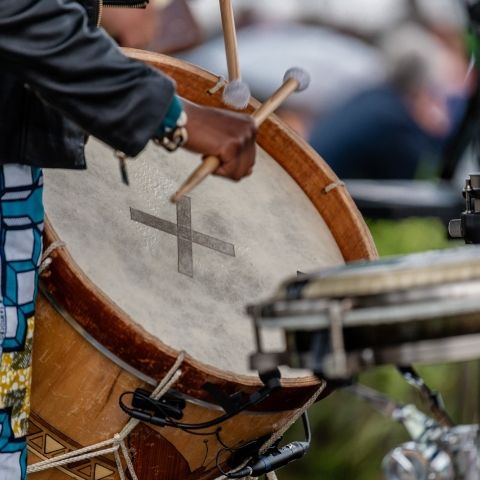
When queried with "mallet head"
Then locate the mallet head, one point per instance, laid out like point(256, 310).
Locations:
point(300, 75)
point(236, 94)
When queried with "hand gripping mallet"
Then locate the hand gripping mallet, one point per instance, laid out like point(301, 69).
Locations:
point(236, 93)
point(295, 80)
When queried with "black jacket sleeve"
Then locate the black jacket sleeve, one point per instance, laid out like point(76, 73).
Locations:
point(79, 70)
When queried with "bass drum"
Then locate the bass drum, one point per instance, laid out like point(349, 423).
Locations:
point(140, 280)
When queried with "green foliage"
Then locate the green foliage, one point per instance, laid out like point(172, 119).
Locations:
point(350, 439)
point(394, 237)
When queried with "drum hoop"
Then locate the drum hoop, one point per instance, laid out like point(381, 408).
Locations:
point(375, 310)
point(448, 349)
point(374, 316)
point(98, 315)
point(385, 282)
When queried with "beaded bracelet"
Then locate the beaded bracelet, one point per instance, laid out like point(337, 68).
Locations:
point(174, 138)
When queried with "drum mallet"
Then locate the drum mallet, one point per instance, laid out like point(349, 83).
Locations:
point(236, 93)
point(295, 80)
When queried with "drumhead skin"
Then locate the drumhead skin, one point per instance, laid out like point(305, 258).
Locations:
point(308, 220)
point(190, 293)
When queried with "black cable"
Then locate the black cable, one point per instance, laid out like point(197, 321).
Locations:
point(306, 428)
point(217, 461)
point(166, 422)
point(151, 411)
point(200, 434)
point(231, 450)
point(274, 458)
point(222, 443)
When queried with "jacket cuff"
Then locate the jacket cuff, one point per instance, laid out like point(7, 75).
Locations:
point(158, 92)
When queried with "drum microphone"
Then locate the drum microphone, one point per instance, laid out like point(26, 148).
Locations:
point(166, 411)
point(267, 463)
point(275, 457)
point(145, 417)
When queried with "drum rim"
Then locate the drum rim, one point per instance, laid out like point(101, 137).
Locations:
point(387, 275)
point(85, 302)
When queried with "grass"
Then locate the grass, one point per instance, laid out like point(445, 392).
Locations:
point(394, 237)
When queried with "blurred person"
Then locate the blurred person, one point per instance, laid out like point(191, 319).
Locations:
point(397, 129)
point(334, 40)
point(131, 27)
point(339, 65)
point(367, 18)
point(164, 26)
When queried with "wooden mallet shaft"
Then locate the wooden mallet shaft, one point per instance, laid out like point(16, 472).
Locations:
point(230, 37)
point(236, 93)
point(211, 162)
point(289, 86)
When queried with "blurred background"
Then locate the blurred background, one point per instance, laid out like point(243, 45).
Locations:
point(393, 108)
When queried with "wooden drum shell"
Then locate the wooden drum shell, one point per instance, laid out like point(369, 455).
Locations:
point(76, 387)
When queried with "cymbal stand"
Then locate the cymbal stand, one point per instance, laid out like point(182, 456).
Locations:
point(433, 399)
point(437, 452)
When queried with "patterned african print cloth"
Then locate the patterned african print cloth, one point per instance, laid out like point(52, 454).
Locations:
point(21, 220)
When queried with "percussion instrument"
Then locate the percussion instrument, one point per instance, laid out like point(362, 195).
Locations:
point(141, 279)
point(400, 310)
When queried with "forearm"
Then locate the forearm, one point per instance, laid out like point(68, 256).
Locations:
point(80, 71)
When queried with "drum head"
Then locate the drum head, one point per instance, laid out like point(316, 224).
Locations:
point(186, 272)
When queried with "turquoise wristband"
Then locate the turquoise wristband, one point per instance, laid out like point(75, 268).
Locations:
point(171, 118)
point(173, 133)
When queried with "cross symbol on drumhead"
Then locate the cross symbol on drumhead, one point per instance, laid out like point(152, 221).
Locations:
point(186, 237)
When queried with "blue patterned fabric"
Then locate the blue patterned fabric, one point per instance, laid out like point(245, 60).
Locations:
point(21, 220)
